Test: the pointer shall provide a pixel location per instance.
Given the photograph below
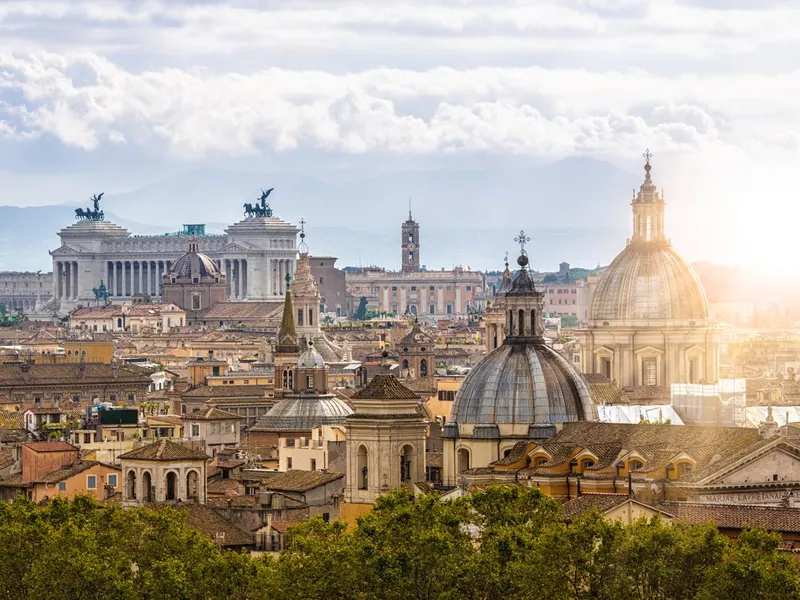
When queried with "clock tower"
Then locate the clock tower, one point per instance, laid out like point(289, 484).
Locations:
point(410, 245)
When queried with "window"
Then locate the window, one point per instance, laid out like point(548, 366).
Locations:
point(326, 517)
point(289, 462)
point(432, 309)
point(215, 429)
point(313, 464)
point(195, 430)
point(540, 461)
point(112, 397)
point(91, 482)
point(649, 372)
point(300, 317)
point(290, 443)
point(684, 468)
point(469, 288)
point(449, 309)
point(309, 382)
point(394, 288)
point(311, 316)
point(62, 486)
point(322, 281)
point(87, 438)
point(112, 480)
point(635, 465)
point(586, 464)
point(132, 397)
point(413, 288)
point(431, 288)
point(196, 303)
point(447, 395)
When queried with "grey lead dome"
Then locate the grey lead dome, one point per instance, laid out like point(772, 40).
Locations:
point(648, 282)
point(523, 383)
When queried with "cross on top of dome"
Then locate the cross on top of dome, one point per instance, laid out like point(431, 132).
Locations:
point(303, 247)
point(522, 239)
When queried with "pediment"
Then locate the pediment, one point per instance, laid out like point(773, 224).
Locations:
point(649, 351)
point(604, 351)
point(781, 458)
point(236, 247)
point(694, 350)
point(64, 251)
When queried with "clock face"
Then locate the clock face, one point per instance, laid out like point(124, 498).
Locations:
point(411, 245)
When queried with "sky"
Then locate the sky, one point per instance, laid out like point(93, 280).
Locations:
point(116, 95)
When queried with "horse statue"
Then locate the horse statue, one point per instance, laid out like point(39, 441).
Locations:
point(248, 209)
point(261, 207)
point(80, 214)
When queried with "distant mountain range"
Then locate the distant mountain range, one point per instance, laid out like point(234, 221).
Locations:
point(574, 210)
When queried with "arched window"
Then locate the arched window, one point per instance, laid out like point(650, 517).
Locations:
point(586, 463)
point(540, 461)
point(119, 322)
point(288, 379)
point(423, 367)
point(521, 322)
point(407, 463)
point(171, 482)
point(510, 322)
point(405, 364)
point(131, 485)
point(192, 489)
point(310, 317)
point(635, 465)
point(462, 462)
point(362, 468)
point(147, 487)
point(533, 323)
point(648, 233)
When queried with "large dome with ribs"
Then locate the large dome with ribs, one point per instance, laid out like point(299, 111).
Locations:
point(649, 282)
point(523, 383)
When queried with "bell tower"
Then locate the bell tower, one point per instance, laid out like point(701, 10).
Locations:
point(410, 245)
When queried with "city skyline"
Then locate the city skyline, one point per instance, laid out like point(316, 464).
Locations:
point(114, 97)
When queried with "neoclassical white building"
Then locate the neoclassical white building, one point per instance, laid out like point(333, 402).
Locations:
point(255, 255)
point(648, 323)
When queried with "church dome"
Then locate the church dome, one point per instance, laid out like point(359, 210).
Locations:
point(194, 262)
point(310, 359)
point(649, 282)
point(523, 382)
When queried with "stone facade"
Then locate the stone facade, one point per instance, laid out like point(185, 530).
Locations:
point(23, 290)
point(255, 255)
point(332, 285)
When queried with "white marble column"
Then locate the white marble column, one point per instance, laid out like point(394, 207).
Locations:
point(58, 280)
point(243, 267)
point(75, 287)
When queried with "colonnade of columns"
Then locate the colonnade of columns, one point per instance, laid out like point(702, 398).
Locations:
point(65, 282)
point(235, 270)
point(279, 268)
point(129, 277)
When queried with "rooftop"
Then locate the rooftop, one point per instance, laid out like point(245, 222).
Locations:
point(165, 450)
point(300, 481)
point(385, 387)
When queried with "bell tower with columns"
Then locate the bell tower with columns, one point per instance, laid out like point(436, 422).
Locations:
point(410, 245)
point(648, 210)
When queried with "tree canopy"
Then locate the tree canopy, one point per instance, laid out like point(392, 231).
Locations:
point(504, 542)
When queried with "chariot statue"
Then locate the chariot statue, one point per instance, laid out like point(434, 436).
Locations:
point(261, 208)
point(88, 214)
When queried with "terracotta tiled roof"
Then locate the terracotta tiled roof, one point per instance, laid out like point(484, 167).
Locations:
point(300, 481)
point(644, 394)
point(226, 391)
point(516, 454)
point(244, 310)
point(6, 458)
point(11, 419)
point(68, 471)
point(425, 487)
point(586, 502)
point(434, 459)
point(69, 373)
point(221, 486)
point(50, 446)
point(283, 526)
point(385, 387)
point(207, 521)
point(165, 450)
point(211, 414)
point(728, 516)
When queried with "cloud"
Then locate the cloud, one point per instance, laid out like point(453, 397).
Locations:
point(197, 113)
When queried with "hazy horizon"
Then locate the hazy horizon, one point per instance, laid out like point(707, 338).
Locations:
point(121, 96)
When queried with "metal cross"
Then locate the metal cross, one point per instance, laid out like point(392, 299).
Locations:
point(302, 224)
point(647, 155)
point(505, 258)
point(522, 239)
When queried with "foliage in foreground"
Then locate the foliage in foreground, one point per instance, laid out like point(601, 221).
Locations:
point(501, 543)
